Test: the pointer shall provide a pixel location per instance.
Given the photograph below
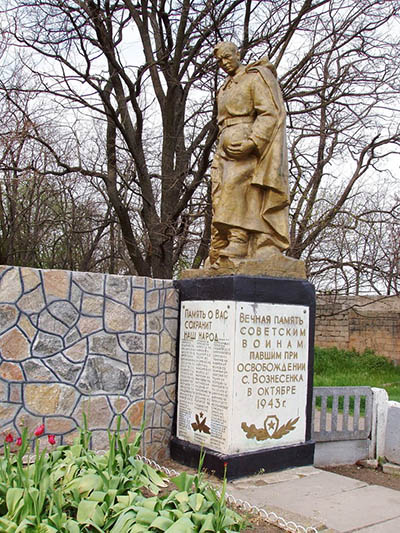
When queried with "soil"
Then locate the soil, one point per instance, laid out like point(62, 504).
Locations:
point(368, 475)
point(260, 526)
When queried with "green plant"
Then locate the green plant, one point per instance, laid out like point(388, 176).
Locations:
point(71, 489)
point(340, 368)
point(381, 461)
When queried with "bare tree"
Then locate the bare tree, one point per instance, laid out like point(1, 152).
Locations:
point(359, 252)
point(339, 69)
point(85, 40)
point(46, 221)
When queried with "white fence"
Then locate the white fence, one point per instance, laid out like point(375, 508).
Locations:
point(354, 423)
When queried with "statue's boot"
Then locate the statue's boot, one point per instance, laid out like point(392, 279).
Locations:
point(238, 243)
point(265, 246)
point(218, 242)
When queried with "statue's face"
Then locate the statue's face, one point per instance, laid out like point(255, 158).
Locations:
point(228, 60)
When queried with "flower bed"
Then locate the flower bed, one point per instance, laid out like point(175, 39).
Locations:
point(72, 489)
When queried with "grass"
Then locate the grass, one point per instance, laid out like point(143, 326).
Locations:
point(341, 368)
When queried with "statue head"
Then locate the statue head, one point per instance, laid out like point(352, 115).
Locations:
point(227, 56)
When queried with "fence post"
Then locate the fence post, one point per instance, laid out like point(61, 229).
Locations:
point(379, 417)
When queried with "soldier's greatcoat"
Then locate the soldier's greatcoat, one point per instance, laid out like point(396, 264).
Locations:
point(252, 192)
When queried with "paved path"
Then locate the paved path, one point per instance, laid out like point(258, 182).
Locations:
point(327, 501)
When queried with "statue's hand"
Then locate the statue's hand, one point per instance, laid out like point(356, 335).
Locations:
point(240, 149)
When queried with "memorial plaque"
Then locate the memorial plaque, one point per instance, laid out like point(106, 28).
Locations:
point(243, 373)
point(205, 372)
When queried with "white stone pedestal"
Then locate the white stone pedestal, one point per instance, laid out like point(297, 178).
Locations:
point(245, 371)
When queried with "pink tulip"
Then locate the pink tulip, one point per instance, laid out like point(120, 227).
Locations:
point(18, 442)
point(51, 439)
point(9, 438)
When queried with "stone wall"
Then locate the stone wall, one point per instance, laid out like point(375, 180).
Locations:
point(74, 343)
point(104, 345)
point(359, 322)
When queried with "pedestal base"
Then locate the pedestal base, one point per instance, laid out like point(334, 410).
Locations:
point(245, 374)
point(277, 265)
point(245, 463)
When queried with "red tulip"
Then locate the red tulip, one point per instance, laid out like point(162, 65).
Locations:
point(39, 430)
point(51, 439)
point(18, 442)
point(9, 437)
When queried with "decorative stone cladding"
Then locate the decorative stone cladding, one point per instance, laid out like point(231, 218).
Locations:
point(74, 343)
point(359, 322)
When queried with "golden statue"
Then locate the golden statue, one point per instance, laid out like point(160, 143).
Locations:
point(249, 171)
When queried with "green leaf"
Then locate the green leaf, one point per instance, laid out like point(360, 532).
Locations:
point(211, 495)
point(110, 497)
point(138, 528)
point(86, 483)
point(182, 497)
point(145, 516)
point(44, 487)
point(162, 523)
point(150, 503)
point(72, 527)
point(14, 500)
point(170, 500)
point(97, 496)
point(167, 514)
point(148, 484)
point(45, 528)
point(124, 522)
point(58, 499)
point(70, 472)
point(196, 501)
point(231, 518)
point(115, 481)
point(158, 478)
point(25, 524)
point(89, 511)
point(184, 481)
point(7, 526)
point(57, 520)
point(183, 525)
point(95, 528)
point(76, 450)
point(198, 519)
point(125, 499)
point(126, 502)
point(208, 524)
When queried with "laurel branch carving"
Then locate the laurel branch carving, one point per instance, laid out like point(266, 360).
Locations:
point(262, 434)
point(200, 425)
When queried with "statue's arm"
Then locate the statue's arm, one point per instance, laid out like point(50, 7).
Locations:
point(267, 113)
